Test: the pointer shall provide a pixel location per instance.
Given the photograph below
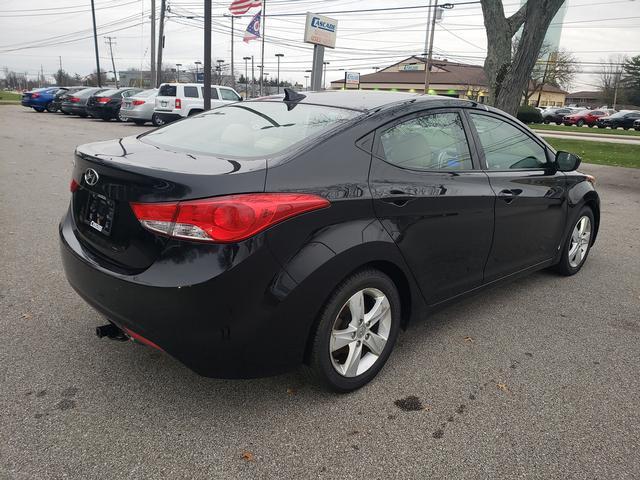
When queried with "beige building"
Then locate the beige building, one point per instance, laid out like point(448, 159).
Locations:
point(451, 79)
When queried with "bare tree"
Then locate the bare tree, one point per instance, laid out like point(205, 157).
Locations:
point(610, 79)
point(507, 74)
point(557, 68)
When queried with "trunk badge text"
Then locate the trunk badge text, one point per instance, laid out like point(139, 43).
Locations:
point(91, 177)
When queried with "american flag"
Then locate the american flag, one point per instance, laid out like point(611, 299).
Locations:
point(240, 7)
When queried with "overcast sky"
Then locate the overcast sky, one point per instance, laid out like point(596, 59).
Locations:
point(593, 30)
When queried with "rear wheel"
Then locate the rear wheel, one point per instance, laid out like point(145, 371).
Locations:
point(356, 331)
point(51, 108)
point(546, 121)
point(558, 123)
point(39, 109)
point(156, 120)
point(121, 117)
point(577, 244)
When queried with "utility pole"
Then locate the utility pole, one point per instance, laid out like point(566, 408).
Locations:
point(246, 78)
point(279, 55)
point(41, 82)
point(233, 75)
point(163, 7)
point(110, 42)
point(253, 78)
point(426, 36)
point(153, 82)
point(95, 41)
point(60, 61)
point(264, 17)
point(207, 55)
point(427, 67)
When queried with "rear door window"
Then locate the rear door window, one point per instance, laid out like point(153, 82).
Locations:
point(191, 92)
point(167, 91)
point(214, 93)
point(429, 142)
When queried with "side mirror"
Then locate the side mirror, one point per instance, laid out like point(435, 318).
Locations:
point(567, 162)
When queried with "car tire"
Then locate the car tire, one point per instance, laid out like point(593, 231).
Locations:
point(601, 126)
point(625, 128)
point(580, 123)
point(637, 129)
point(558, 123)
point(589, 125)
point(345, 319)
point(545, 121)
point(82, 115)
point(50, 108)
point(577, 244)
point(139, 122)
point(39, 109)
point(156, 120)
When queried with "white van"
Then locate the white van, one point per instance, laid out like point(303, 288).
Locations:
point(179, 100)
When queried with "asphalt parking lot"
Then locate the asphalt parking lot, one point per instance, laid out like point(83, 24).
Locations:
point(536, 379)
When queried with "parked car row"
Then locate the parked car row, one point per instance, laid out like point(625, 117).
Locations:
point(172, 101)
point(601, 117)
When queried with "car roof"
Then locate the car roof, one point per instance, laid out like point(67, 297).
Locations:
point(363, 100)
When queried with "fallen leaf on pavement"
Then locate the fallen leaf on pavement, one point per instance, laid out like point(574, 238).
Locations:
point(503, 387)
point(469, 339)
point(248, 456)
point(26, 315)
point(291, 391)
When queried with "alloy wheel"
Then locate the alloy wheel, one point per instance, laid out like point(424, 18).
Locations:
point(580, 239)
point(360, 332)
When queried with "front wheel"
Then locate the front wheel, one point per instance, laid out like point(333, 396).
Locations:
point(580, 123)
point(51, 108)
point(156, 120)
point(356, 331)
point(577, 244)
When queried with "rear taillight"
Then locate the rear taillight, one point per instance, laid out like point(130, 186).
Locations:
point(224, 219)
point(138, 102)
point(74, 99)
point(35, 95)
point(178, 103)
point(103, 100)
point(73, 186)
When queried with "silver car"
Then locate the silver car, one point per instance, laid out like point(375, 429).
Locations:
point(139, 108)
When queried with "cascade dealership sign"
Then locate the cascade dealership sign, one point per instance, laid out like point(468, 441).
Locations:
point(320, 30)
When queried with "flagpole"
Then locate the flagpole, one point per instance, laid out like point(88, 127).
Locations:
point(233, 76)
point(264, 17)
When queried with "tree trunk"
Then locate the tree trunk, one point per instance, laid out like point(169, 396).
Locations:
point(508, 76)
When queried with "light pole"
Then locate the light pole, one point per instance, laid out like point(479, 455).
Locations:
point(279, 55)
point(178, 65)
point(220, 61)
point(306, 85)
point(246, 78)
point(198, 63)
point(324, 74)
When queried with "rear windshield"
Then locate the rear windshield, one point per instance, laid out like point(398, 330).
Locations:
point(252, 129)
point(89, 92)
point(145, 93)
point(108, 93)
point(167, 91)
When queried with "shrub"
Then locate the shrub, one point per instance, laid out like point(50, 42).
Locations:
point(527, 114)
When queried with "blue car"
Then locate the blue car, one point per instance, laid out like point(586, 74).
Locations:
point(39, 99)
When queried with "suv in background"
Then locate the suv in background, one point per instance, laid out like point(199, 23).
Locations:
point(179, 100)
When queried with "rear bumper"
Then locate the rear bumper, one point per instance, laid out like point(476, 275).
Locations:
point(136, 114)
point(102, 111)
point(168, 117)
point(196, 304)
point(74, 109)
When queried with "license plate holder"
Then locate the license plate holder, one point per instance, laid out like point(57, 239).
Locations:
point(100, 213)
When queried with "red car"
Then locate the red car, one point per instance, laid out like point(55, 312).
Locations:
point(585, 117)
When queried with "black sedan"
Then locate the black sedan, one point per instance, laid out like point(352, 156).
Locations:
point(624, 119)
point(262, 235)
point(555, 115)
point(106, 105)
point(76, 104)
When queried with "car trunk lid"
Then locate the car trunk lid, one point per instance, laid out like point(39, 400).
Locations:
point(110, 175)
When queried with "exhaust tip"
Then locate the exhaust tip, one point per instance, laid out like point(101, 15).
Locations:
point(110, 331)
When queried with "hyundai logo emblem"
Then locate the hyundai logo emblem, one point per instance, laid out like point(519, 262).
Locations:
point(91, 177)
